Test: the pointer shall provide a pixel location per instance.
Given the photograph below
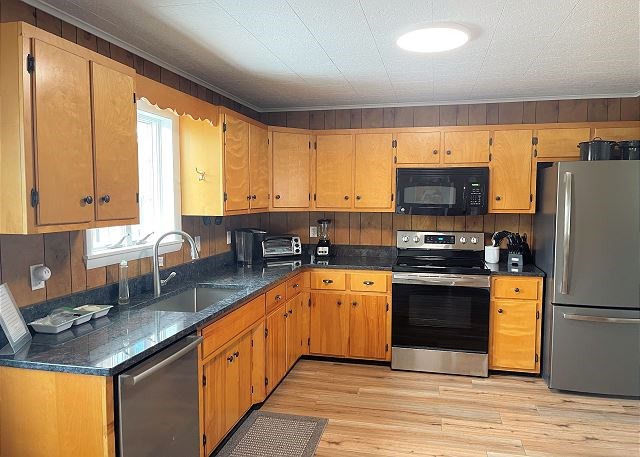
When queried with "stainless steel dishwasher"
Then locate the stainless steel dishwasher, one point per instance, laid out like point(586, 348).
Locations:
point(158, 407)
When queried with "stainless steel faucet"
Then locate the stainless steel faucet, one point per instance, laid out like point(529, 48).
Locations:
point(157, 282)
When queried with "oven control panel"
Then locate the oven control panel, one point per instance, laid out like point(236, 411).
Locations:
point(469, 241)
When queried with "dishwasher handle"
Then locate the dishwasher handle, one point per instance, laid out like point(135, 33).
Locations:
point(133, 380)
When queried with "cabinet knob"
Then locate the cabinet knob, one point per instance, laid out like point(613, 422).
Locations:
point(286, 314)
point(248, 197)
point(339, 303)
point(516, 290)
point(358, 197)
point(105, 198)
point(499, 310)
point(355, 303)
point(449, 152)
point(236, 354)
point(435, 151)
point(295, 286)
point(277, 197)
point(346, 197)
point(290, 311)
point(88, 199)
point(278, 297)
point(230, 359)
point(253, 197)
point(368, 283)
point(327, 281)
point(498, 198)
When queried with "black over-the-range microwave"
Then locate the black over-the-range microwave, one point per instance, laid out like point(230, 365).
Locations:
point(442, 191)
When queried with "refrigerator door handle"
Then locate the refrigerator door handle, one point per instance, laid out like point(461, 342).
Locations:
point(609, 320)
point(568, 181)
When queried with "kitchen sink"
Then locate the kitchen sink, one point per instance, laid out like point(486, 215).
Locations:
point(193, 299)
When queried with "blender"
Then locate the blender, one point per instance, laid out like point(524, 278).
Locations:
point(323, 248)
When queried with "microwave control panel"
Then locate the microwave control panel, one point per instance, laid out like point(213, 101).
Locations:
point(476, 194)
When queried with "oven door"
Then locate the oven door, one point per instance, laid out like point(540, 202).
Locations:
point(441, 312)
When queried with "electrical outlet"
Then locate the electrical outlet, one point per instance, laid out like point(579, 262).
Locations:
point(197, 241)
point(228, 237)
point(313, 231)
point(39, 275)
point(161, 261)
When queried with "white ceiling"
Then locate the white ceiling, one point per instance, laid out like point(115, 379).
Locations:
point(290, 54)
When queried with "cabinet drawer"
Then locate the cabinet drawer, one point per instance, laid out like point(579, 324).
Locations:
point(227, 328)
point(295, 286)
point(526, 289)
point(328, 280)
point(369, 282)
point(276, 296)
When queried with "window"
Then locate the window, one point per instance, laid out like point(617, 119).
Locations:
point(158, 165)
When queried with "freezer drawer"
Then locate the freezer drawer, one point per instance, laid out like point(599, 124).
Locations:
point(595, 350)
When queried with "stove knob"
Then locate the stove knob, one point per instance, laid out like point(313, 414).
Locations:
point(405, 239)
point(416, 239)
point(463, 240)
point(474, 240)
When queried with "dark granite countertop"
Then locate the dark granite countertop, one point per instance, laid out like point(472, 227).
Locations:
point(129, 334)
point(503, 269)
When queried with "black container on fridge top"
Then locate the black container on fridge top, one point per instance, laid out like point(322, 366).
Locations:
point(629, 150)
point(598, 149)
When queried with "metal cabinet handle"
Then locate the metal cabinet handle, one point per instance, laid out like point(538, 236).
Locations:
point(368, 283)
point(105, 198)
point(295, 286)
point(253, 197)
point(568, 181)
point(230, 359)
point(278, 297)
point(327, 281)
point(435, 151)
point(609, 320)
point(277, 197)
point(498, 198)
point(449, 152)
point(516, 290)
point(290, 311)
point(248, 197)
point(499, 310)
point(133, 380)
point(236, 354)
point(346, 197)
point(355, 303)
point(339, 303)
point(88, 200)
point(286, 315)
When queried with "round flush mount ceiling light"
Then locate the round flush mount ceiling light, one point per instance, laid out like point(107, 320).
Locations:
point(433, 39)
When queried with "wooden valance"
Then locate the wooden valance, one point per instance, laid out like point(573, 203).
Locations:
point(166, 97)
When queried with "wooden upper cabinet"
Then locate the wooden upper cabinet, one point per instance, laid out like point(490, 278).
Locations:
point(560, 143)
point(259, 167)
point(418, 148)
point(334, 168)
point(510, 171)
point(201, 165)
point(291, 162)
point(329, 324)
point(466, 147)
point(63, 140)
point(368, 326)
point(236, 164)
point(617, 133)
point(114, 129)
point(373, 171)
point(513, 335)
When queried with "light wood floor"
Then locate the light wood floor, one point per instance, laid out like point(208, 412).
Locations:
point(374, 411)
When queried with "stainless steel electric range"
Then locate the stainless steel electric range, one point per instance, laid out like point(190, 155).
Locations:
point(440, 317)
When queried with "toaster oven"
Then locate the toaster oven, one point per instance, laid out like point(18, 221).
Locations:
point(281, 246)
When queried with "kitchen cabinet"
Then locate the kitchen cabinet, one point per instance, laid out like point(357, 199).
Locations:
point(329, 324)
point(276, 346)
point(227, 390)
point(201, 168)
point(290, 170)
point(373, 175)
point(515, 324)
point(559, 143)
point(236, 164)
point(367, 326)
point(296, 340)
point(334, 171)
point(510, 172)
point(259, 167)
point(72, 121)
point(466, 147)
point(617, 133)
point(418, 148)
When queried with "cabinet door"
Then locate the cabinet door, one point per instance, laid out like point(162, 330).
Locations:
point(374, 171)
point(201, 150)
point(238, 381)
point(418, 147)
point(329, 324)
point(560, 143)
point(214, 400)
point(510, 171)
point(294, 342)
point(368, 326)
point(513, 334)
point(291, 162)
point(466, 147)
point(258, 359)
point(334, 161)
point(64, 162)
point(236, 164)
point(304, 322)
point(276, 346)
point(617, 133)
point(259, 167)
point(115, 145)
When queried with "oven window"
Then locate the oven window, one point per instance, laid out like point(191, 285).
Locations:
point(430, 195)
point(440, 317)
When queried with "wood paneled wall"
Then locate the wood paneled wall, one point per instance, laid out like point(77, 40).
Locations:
point(602, 109)
point(15, 10)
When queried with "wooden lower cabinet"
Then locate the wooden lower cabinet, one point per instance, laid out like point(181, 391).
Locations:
point(329, 324)
point(515, 324)
point(276, 346)
point(367, 326)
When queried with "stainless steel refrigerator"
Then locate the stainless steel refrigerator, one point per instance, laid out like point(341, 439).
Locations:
point(587, 241)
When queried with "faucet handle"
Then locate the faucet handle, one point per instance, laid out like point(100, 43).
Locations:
point(164, 282)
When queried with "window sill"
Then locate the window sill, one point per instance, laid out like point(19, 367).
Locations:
point(128, 253)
